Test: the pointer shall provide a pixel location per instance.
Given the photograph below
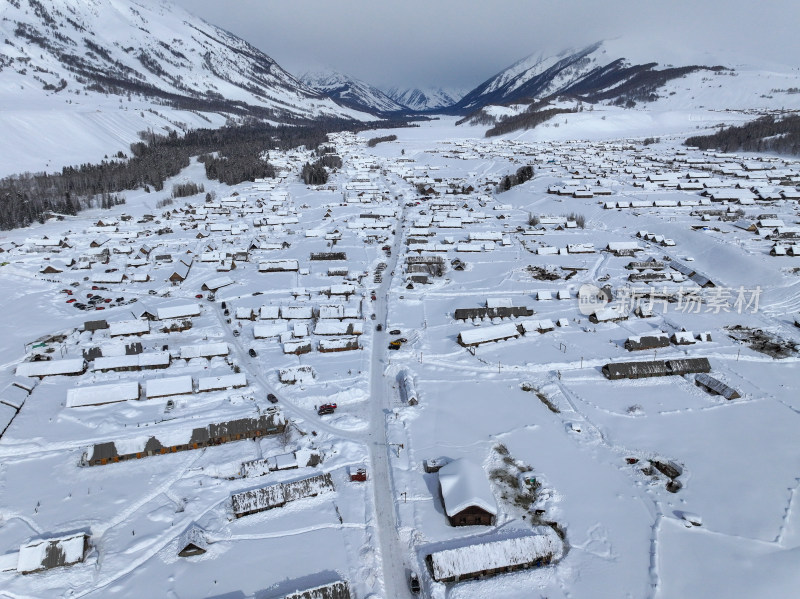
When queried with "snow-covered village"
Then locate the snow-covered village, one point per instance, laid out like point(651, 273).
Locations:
point(555, 362)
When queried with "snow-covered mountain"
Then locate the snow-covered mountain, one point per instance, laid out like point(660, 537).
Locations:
point(597, 72)
point(150, 49)
point(425, 99)
point(350, 91)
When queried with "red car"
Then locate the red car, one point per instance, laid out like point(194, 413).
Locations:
point(69, 301)
point(95, 288)
point(326, 406)
point(107, 300)
point(100, 308)
point(199, 296)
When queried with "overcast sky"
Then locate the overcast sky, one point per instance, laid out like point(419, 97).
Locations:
point(461, 43)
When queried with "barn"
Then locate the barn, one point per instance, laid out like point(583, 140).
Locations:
point(277, 495)
point(479, 560)
point(107, 452)
point(466, 495)
point(638, 370)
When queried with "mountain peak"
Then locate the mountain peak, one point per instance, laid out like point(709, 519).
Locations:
point(350, 91)
point(425, 99)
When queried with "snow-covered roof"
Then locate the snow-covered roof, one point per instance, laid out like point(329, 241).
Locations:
point(204, 350)
point(175, 385)
point(179, 311)
point(479, 557)
point(217, 283)
point(335, 327)
point(464, 484)
point(263, 331)
point(43, 554)
point(128, 327)
point(96, 395)
point(14, 396)
point(227, 381)
point(144, 360)
point(51, 367)
point(497, 332)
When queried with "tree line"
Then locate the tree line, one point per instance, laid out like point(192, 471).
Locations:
point(371, 143)
point(765, 134)
point(230, 155)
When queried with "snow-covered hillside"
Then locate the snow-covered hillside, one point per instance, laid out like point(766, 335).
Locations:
point(620, 72)
point(78, 80)
point(146, 47)
point(350, 91)
point(425, 99)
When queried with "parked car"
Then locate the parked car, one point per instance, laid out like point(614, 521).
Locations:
point(236, 332)
point(70, 301)
point(379, 327)
point(199, 296)
point(372, 316)
point(332, 406)
point(413, 583)
point(252, 353)
point(394, 332)
point(271, 397)
point(323, 410)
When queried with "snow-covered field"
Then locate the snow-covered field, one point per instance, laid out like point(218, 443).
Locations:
point(621, 467)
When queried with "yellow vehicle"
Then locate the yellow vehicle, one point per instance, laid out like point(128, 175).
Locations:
point(395, 343)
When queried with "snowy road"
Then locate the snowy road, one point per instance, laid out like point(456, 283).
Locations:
point(392, 554)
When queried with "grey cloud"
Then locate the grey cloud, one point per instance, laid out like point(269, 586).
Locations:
point(460, 43)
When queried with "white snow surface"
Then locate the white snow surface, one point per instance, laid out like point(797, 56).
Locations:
point(537, 404)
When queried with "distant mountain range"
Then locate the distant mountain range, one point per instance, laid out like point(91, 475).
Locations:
point(425, 99)
point(352, 92)
point(360, 95)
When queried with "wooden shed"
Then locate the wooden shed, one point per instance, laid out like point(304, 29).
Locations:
point(466, 495)
point(333, 590)
point(715, 386)
point(638, 370)
point(478, 560)
point(644, 342)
